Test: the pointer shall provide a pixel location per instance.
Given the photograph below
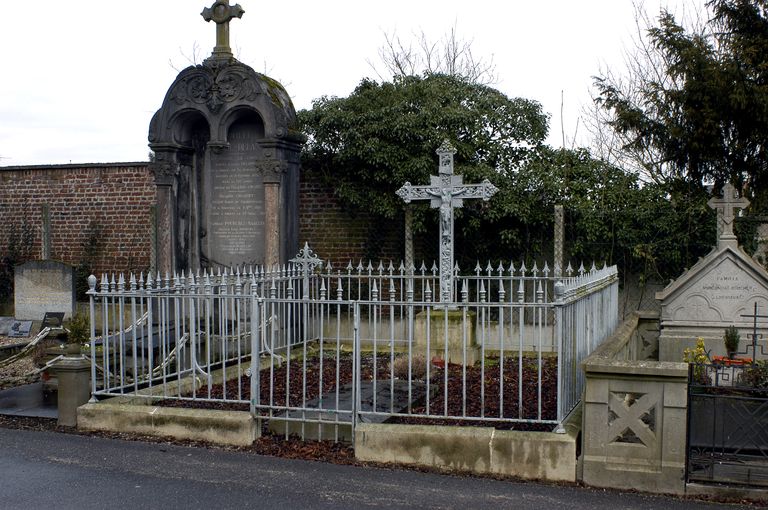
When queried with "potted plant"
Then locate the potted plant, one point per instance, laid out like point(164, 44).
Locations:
point(731, 341)
point(78, 332)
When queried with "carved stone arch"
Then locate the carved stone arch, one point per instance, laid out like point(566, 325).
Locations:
point(187, 126)
point(241, 113)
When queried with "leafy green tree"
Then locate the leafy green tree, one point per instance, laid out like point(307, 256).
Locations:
point(611, 216)
point(370, 143)
point(699, 111)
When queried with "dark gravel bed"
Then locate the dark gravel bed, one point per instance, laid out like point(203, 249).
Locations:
point(486, 400)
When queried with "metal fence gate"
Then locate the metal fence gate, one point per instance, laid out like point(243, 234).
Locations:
point(728, 424)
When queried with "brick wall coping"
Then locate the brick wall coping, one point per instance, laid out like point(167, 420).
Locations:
point(69, 166)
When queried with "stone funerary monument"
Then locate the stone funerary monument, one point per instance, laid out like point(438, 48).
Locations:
point(720, 290)
point(226, 163)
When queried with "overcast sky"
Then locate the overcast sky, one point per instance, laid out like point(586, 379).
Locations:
point(81, 81)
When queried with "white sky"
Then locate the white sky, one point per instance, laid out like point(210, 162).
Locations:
point(81, 82)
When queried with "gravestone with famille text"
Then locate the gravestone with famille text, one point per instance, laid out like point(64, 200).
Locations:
point(720, 290)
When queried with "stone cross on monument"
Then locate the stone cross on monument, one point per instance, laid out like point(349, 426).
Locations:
point(725, 208)
point(222, 13)
point(446, 192)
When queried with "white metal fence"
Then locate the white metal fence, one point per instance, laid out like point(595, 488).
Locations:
point(313, 350)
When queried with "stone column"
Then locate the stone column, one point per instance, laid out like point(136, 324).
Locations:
point(559, 235)
point(408, 238)
point(165, 169)
point(271, 224)
point(45, 213)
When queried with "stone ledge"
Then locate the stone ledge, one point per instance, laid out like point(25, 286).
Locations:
point(727, 491)
point(237, 428)
point(530, 455)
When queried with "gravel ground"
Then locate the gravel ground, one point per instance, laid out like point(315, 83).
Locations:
point(17, 373)
point(8, 340)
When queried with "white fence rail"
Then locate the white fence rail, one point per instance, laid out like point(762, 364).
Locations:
point(313, 352)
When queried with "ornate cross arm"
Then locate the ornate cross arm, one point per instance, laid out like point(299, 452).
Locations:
point(726, 212)
point(408, 192)
point(484, 190)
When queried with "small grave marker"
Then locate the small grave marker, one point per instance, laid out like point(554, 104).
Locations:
point(52, 320)
point(20, 329)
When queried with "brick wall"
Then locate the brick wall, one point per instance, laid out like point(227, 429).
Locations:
point(111, 203)
point(107, 203)
point(338, 235)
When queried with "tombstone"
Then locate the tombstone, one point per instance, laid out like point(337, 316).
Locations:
point(720, 290)
point(226, 163)
point(42, 286)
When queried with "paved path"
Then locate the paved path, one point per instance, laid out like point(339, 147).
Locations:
point(28, 400)
point(53, 470)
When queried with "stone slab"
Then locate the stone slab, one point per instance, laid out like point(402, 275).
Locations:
point(20, 329)
point(42, 286)
point(237, 428)
point(454, 329)
point(15, 328)
point(234, 200)
point(530, 455)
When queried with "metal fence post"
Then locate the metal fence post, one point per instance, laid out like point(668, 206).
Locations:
point(355, 367)
point(255, 369)
point(91, 293)
point(558, 325)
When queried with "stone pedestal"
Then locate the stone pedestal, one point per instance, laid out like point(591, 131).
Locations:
point(459, 335)
point(73, 374)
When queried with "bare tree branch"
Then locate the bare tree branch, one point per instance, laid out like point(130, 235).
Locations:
point(643, 75)
point(450, 55)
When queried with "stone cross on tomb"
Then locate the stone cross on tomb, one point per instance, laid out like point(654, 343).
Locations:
point(222, 13)
point(725, 208)
point(446, 192)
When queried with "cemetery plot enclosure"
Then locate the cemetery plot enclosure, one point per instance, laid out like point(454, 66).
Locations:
point(315, 350)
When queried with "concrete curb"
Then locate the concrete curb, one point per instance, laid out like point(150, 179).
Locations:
point(236, 428)
point(530, 455)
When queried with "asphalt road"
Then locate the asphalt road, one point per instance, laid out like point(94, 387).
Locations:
point(53, 470)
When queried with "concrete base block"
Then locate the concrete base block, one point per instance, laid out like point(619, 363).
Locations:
point(452, 328)
point(74, 377)
point(236, 428)
point(531, 455)
point(643, 476)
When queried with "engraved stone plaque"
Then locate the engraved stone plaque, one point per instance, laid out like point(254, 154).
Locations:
point(235, 201)
point(42, 286)
point(719, 296)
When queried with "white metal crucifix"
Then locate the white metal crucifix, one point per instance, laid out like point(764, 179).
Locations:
point(446, 192)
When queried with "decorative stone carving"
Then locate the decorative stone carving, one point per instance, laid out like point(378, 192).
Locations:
point(223, 134)
point(445, 192)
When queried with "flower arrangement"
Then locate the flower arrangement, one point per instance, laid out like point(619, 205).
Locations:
point(699, 356)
